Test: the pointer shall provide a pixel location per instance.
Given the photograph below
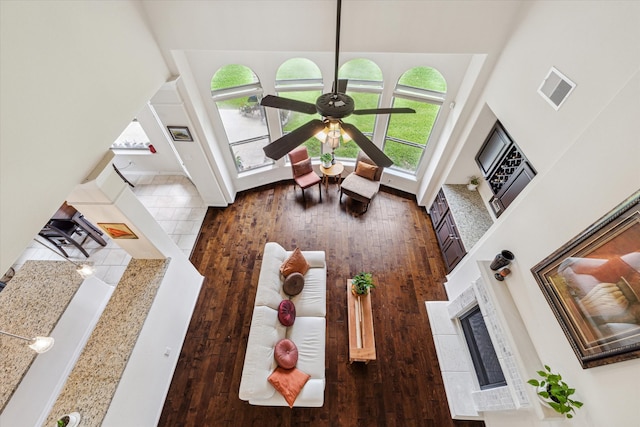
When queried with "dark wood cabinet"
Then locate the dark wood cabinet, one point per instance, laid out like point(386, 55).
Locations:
point(446, 232)
point(505, 168)
point(439, 208)
point(493, 149)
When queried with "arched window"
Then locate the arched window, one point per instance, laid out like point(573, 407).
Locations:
point(299, 79)
point(364, 86)
point(237, 92)
point(424, 90)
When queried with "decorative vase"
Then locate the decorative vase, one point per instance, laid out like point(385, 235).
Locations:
point(500, 275)
point(503, 259)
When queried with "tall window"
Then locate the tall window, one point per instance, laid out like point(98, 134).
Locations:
point(424, 90)
point(299, 79)
point(237, 92)
point(365, 85)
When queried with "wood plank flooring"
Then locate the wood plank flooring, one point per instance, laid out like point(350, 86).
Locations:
point(394, 240)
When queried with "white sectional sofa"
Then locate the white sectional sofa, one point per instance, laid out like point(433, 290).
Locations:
point(308, 331)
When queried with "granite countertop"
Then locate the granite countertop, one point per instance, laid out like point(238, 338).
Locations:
point(31, 305)
point(93, 381)
point(469, 212)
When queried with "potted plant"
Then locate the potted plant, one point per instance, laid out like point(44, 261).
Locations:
point(361, 283)
point(555, 393)
point(327, 160)
point(69, 420)
point(474, 181)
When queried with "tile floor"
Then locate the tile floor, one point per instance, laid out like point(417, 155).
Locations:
point(172, 200)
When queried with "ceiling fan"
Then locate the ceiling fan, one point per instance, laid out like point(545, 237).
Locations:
point(333, 107)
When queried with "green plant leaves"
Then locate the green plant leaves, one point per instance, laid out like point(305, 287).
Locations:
point(555, 392)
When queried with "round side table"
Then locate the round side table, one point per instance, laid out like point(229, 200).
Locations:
point(335, 171)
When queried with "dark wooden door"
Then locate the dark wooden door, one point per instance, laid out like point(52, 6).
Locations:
point(449, 240)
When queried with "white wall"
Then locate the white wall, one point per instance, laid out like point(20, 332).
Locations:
point(587, 156)
point(74, 74)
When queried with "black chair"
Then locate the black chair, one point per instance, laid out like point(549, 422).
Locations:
point(60, 233)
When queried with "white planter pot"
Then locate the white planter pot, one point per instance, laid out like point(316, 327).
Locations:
point(74, 419)
point(326, 165)
point(472, 187)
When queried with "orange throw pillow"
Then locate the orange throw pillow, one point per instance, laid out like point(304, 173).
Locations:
point(289, 383)
point(296, 263)
point(366, 170)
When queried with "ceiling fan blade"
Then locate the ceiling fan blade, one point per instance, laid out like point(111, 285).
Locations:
point(370, 149)
point(342, 86)
point(384, 111)
point(281, 146)
point(288, 104)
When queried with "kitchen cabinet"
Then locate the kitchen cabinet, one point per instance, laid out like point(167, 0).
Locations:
point(446, 232)
point(505, 168)
point(493, 149)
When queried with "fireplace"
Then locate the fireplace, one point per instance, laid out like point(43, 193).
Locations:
point(483, 355)
point(498, 341)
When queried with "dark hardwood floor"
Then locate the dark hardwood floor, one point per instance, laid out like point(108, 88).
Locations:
point(394, 240)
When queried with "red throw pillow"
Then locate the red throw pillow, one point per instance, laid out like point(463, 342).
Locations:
point(289, 383)
point(366, 170)
point(296, 263)
point(286, 354)
point(286, 312)
point(303, 167)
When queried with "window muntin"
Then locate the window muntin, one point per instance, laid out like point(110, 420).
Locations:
point(236, 92)
point(407, 136)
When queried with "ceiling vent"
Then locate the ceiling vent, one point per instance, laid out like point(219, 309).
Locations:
point(555, 88)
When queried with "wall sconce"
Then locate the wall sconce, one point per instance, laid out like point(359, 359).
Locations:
point(84, 270)
point(38, 344)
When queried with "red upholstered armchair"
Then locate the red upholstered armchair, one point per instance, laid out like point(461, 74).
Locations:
point(303, 173)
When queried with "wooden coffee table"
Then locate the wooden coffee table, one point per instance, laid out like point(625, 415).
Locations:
point(362, 342)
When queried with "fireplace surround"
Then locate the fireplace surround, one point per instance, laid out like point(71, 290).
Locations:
point(515, 352)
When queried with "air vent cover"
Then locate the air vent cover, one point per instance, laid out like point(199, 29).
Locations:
point(555, 88)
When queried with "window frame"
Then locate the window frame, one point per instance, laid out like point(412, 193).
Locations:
point(241, 92)
point(426, 96)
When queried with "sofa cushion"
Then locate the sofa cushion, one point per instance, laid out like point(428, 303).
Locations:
point(366, 170)
point(286, 354)
point(309, 334)
point(286, 312)
point(364, 187)
point(296, 263)
point(293, 284)
point(288, 382)
point(259, 362)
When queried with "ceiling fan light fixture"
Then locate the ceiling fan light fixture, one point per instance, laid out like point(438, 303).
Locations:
point(332, 135)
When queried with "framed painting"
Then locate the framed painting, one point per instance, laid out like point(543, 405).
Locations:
point(117, 230)
point(592, 284)
point(180, 133)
